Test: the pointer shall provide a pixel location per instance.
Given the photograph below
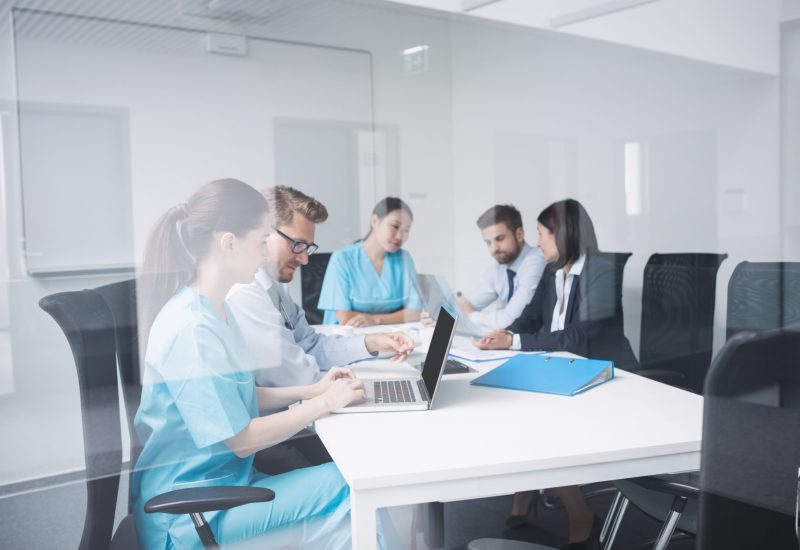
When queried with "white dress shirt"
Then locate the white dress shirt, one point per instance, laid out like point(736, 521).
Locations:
point(284, 356)
point(563, 291)
point(493, 289)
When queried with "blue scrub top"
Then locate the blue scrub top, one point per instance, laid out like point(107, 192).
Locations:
point(198, 390)
point(352, 284)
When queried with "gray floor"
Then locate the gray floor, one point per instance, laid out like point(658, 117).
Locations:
point(51, 517)
point(47, 517)
point(469, 520)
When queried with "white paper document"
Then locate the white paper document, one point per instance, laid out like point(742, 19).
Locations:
point(478, 355)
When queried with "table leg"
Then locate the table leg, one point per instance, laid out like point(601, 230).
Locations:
point(434, 524)
point(363, 522)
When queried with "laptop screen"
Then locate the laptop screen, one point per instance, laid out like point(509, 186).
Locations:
point(437, 351)
point(435, 292)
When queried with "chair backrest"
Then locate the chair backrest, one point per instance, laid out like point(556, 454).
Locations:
point(311, 276)
point(88, 325)
point(121, 301)
point(604, 307)
point(764, 296)
point(751, 448)
point(619, 259)
point(678, 302)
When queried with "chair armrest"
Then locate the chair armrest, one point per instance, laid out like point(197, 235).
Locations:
point(206, 499)
point(684, 485)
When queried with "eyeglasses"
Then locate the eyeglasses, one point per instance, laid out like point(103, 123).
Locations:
point(298, 247)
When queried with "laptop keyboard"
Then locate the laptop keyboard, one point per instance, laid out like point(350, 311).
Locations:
point(394, 391)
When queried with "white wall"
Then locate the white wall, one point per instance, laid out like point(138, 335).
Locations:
point(736, 33)
point(707, 131)
point(790, 10)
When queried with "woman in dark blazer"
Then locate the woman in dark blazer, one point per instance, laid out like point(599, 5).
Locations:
point(577, 307)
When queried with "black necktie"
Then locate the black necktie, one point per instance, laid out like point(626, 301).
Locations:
point(510, 274)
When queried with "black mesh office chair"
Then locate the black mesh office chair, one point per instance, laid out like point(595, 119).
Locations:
point(120, 298)
point(751, 444)
point(763, 296)
point(311, 276)
point(748, 485)
point(619, 259)
point(678, 301)
point(609, 304)
point(617, 318)
point(101, 343)
point(677, 330)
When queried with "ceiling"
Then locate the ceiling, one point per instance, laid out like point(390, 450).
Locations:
point(535, 13)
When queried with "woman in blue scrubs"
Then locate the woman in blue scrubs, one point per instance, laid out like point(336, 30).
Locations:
point(199, 415)
point(373, 282)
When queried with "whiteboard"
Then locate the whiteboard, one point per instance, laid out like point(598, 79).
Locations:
point(121, 120)
point(76, 193)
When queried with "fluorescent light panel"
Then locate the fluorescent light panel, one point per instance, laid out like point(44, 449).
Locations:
point(415, 49)
point(634, 172)
point(598, 10)
point(469, 5)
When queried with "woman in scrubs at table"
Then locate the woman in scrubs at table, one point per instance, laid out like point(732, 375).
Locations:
point(199, 414)
point(373, 281)
point(575, 308)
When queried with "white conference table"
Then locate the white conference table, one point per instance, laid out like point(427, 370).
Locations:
point(481, 442)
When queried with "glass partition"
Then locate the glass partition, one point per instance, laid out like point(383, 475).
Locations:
point(112, 113)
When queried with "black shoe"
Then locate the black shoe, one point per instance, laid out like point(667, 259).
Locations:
point(591, 542)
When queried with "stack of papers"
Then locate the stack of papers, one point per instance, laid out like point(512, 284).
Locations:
point(482, 355)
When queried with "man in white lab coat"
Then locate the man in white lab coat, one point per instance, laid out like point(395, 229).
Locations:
point(285, 350)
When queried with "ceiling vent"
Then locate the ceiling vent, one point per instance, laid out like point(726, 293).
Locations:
point(242, 11)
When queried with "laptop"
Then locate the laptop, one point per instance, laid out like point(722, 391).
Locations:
point(411, 394)
point(435, 292)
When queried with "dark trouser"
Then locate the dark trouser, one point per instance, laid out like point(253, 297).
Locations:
point(303, 450)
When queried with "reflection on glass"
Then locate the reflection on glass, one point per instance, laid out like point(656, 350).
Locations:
point(633, 178)
point(6, 368)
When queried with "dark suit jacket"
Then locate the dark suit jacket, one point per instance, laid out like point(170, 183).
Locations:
point(593, 325)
